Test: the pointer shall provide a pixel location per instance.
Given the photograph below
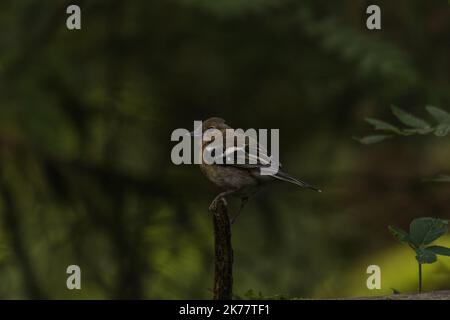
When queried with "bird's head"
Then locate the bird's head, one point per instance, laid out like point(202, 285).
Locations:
point(214, 123)
point(209, 126)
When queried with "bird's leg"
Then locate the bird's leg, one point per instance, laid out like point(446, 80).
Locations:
point(222, 195)
point(243, 203)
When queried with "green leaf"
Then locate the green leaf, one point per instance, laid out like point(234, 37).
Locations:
point(425, 256)
point(399, 234)
point(440, 250)
point(381, 125)
point(440, 115)
point(442, 130)
point(418, 131)
point(423, 231)
point(409, 119)
point(373, 139)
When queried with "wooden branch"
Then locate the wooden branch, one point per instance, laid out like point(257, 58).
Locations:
point(223, 253)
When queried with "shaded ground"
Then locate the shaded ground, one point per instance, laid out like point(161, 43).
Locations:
point(434, 295)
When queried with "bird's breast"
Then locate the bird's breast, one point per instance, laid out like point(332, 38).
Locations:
point(228, 177)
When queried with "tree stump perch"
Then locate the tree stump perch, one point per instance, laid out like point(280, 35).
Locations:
point(223, 253)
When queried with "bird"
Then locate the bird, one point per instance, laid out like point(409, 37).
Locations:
point(240, 180)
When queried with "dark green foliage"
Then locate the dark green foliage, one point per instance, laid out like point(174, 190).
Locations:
point(414, 125)
point(422, 232)
point(409, 119)
point(399, 234)
point(440, 250)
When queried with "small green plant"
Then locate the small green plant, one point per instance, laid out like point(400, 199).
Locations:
point(422, 232)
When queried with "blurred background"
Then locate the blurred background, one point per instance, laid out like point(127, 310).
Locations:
point(85, 124)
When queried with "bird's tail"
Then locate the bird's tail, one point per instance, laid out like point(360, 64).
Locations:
point(285, 177)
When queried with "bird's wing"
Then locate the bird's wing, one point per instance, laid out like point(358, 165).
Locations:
point(246, 158)
point(280, 175)
point(250, 155)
